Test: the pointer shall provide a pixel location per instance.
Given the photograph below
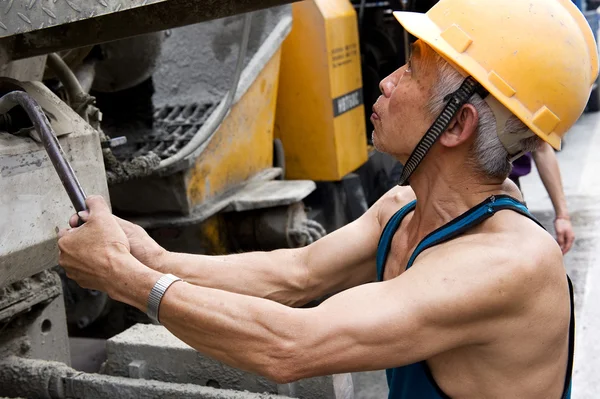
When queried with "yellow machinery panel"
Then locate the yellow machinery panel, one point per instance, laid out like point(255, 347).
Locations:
point(243, 144)
point(320, 110)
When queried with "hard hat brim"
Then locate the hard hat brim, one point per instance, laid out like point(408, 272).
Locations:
point(423, 28)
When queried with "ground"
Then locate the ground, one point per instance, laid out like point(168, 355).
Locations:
point(579, 162)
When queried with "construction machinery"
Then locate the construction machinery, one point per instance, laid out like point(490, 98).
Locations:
point(219, 127)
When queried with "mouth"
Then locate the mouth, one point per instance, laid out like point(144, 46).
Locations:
point(375, 115)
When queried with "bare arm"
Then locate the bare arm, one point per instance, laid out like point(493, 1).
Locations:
point(293, 277)
point(421, 313)
point(547, 166)
point(340, 260)
point(374, 326)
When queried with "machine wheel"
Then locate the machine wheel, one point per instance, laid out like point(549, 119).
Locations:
point(594, 101)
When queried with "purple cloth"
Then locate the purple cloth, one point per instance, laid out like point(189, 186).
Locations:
point(521, 167)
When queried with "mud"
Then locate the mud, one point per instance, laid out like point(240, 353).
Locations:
point(119, 172)
point(31, 378)
point(198, 61)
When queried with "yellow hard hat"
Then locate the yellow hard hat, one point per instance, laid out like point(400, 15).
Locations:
point(537, 57)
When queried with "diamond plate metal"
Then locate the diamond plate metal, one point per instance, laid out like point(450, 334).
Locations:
point(37, 27)
point(174, 127)
point(29, 15)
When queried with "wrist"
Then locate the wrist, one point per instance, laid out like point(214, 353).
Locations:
point(134, 281)
point(162, 260)
point(562, 217)
point(156, 295)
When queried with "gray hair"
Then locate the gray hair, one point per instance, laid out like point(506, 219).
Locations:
point(489, 156)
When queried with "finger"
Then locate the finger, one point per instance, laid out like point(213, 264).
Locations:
point(96, 204)
point(63, 232)
point(83, 216)
point(570, 241)
point(125, 225)
point(74, 220)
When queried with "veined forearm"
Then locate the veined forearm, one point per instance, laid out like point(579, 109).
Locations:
point(279, 275)
point(248, 333)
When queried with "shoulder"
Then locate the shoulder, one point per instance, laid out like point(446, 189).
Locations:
point(504, 266)
point(391, 202)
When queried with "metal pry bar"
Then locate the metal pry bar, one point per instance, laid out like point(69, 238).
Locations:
point(51, 144)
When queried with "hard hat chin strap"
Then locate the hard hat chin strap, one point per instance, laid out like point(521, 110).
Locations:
point(455, 101)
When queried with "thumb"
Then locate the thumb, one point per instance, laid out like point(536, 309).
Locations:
point(96, 204)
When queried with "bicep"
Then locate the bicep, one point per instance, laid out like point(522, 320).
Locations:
point(398, 322)
point(346, 257)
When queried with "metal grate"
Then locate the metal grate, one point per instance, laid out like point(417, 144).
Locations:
point(173, 128)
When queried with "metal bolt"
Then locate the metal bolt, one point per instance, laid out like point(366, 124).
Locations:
point(83, 322)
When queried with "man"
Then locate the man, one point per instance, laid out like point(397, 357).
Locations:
point(547, 166)
point(459, 294)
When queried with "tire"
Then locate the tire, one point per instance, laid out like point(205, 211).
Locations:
point(593, 104)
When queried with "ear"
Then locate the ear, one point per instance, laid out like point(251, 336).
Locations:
point(462, 127)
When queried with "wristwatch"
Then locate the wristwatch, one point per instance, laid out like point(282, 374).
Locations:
point(157, 293)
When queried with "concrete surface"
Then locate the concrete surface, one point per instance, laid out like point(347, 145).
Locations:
point(153, 353)
point(95, 386)
point(43, 379)
point(34, 202)
point(87, 354)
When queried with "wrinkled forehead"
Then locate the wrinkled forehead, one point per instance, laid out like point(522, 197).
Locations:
point(424, 60)
point(432, 61)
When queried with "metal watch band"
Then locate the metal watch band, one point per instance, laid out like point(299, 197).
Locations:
point(157, 293)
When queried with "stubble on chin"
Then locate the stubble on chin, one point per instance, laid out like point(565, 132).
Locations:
point(376, 142)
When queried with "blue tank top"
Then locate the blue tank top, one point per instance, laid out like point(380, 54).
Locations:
point(415, 380)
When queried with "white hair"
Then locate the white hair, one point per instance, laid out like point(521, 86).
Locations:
point(488, 155)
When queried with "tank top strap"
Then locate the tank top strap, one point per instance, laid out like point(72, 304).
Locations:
point(385, 241)
point(470, 219)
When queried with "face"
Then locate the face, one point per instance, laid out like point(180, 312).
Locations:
point(400, 115)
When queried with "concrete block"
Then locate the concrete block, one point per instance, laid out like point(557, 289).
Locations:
point(166, 358)
point(95, 386)
point(48, 335)
point(34, 311)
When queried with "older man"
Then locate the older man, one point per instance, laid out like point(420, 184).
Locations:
point(450, 284)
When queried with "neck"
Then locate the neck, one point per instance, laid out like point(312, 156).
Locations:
point(444, 193)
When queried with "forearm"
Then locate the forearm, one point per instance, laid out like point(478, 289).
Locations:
point(280, 275)
point(547, 165)
point(253, 334)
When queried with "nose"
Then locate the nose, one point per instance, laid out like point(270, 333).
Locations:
point(387, 85)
